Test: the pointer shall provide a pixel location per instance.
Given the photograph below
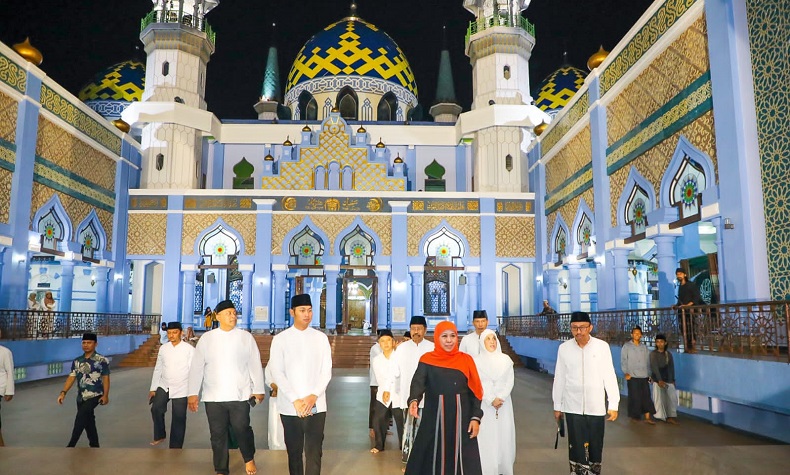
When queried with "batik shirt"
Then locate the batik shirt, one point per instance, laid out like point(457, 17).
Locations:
point(89, 372)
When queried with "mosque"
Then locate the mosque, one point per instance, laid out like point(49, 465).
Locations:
point(587, 190)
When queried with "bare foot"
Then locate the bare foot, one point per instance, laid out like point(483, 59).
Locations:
point(372, 434)
point(156, 442)
point(374, 450)
point(252, 469)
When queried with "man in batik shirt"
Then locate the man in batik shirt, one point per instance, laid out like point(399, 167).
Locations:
point(91, 371)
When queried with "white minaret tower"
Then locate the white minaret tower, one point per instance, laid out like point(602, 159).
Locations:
point(179, 43)
point(499, 45)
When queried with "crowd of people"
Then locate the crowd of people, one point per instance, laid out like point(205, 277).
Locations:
point(449, 400)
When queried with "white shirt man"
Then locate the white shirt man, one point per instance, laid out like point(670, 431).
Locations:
point(170, 382)
point(470, 344)
point(227, 365)
point(301, 364)
point(6, 379)
point(583, 378)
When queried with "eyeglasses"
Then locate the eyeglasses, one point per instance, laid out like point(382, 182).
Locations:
point(579, 328)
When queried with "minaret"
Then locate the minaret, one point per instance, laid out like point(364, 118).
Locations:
point(270, 91)
point(446, 107)
point(179, 43)
point(499, 44)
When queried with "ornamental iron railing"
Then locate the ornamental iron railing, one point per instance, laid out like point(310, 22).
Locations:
point(754, 329)
point(182, 18)
point(41, 325)
point(484, 23)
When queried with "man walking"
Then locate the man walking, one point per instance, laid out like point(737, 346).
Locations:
point(583, 379)
point(170, 383)
point(635, 363)
point(662, 370)
point(6, 380)
point(301, 364)
point(91, 371)
point(470, 344)
point(227, 365)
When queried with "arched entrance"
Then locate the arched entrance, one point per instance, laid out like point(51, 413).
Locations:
point(359, 282)
point(218, 277)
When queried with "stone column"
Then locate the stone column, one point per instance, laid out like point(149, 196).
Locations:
point(622, 298)
point(667, 263)
point(473, 287)
point(717, 222)
point(552, 286)
point(188, 274)
point(383, 317)
point(575, 282)
point(100, 284)
point(331, 273)
point(66, 285)
point(246, 297)
point(278, 305)
point(416, 290)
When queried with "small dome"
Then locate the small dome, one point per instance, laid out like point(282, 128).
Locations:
point(306, 128)
point(287, 142)
point(380, 144)
point(361, 130)
point(398, 159)
point(597, 58)
point(121, 125)
point(112, 90)
point(268, 157)
point(29, 52)
point(540, 128)
point(558, 88)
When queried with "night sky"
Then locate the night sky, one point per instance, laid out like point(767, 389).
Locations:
point(82, 37)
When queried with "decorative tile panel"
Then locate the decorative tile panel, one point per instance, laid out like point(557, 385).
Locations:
point(382, 226)
point(13, 74)
point(569, 209)
point(76, 209)
point(74, 116)
point(282, 224)
point(569, 161)
point(769, 22)
point(147, 234)
point(653, 163)
point(670, 73)
point(550, 219)
point(194, 224)
point(515, 236)
point(566, 122)
point(9, 110)
point(661, 21)
point(418, 226)
point(332, 224)
point(5, 194)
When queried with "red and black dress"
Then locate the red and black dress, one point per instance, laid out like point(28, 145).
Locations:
point(453, 392)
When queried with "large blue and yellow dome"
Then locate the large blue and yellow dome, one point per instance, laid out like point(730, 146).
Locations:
point(352, 47)
point(113, 89)
point(558, 88)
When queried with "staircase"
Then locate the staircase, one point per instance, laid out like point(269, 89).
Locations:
point(508, 350)
point(144, 356)
point(348, 351)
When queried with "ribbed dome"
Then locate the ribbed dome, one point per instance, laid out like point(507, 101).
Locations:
point(559, 87)
point(352, 47)
point(111, 91)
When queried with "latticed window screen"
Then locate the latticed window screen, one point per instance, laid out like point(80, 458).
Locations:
point(198, 297)
point(234, 294)
point(437, 299)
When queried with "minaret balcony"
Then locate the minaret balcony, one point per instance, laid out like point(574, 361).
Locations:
point(182, 18)
point(495, 20)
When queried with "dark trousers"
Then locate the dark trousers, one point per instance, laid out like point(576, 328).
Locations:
point(688, 325)
point(585, 429)
point(178, 421)
point(304, 435)
point(85, 421)
point(235, 414)
point(373, 391)
point(381, 422)
point(639, 399)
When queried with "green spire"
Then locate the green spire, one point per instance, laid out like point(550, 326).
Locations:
point(445, 90)
point(271, 77)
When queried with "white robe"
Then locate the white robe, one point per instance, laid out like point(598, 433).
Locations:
point(276, 434)
point(497, 437)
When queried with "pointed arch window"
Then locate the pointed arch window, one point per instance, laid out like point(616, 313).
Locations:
point(347, 103)
point(52, 231)
point(584, 235)
point(327, 107)
point(367, 110)
point(387, 108)
point(635, 212)
point(358, 249)
point(444, 251)
point(686, 191)
point(560, 244)
point(308, 107)
point(219, 246)
point(306, 248)
point(90, 241)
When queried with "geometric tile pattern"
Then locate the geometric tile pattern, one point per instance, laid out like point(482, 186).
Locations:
point(515, 236)
point(8, 115)
point(12, 74)
point(419, 225)
point(5, 194)
point(382, 226)
point(147, 234)
point(559, 87)
point(655, 27)
point(561, 126)
point(333, 145)
point(769, 22)
point(550, 219)
point(569, 209)
point(331, 224)
point(669, 74)
point(282, 224)
point(124, 81)
point(352, 47)
point(653, 163)
point(67, 151)
point(194, 224)
point(574, 156)
point(76, 209)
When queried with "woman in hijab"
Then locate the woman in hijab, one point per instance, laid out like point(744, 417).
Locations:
point(497, 438)
point(446, 442)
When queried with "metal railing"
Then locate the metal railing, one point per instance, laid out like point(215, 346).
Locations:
point(752, 329)
point(40, 325)
point(484, 23)
point(185, 19)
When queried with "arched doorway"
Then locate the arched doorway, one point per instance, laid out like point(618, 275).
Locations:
point(306, 270)
point(218, 277)
point(359, 282)
point(444, 267)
